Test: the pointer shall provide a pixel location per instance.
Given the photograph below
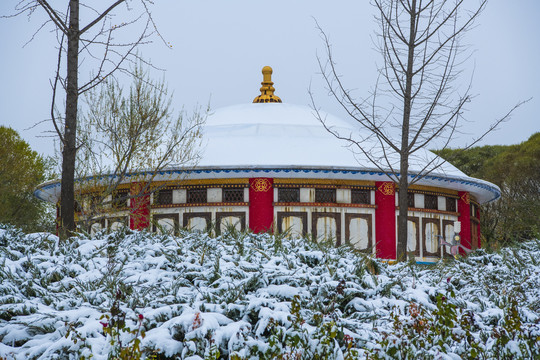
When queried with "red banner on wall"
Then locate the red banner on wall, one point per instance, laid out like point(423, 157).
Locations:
point(464, 209)
point(139, 205)
point(385, 220)
point(261, 208)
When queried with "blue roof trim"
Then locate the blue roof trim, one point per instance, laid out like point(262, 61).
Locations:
point(491, 189)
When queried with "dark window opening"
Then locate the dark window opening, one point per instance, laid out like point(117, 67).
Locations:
point(289, 195)
point(163, 197)
point(450, 204)
point(196, 196)
point(120, 198)
point(410, 200)
point(325, 195)
point(360, 196)
point(233, 195)
point(431, 202)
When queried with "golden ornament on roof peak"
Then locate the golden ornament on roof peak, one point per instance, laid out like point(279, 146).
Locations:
point(267, 88)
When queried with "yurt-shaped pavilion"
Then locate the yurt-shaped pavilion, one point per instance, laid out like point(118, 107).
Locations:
point(272, 166)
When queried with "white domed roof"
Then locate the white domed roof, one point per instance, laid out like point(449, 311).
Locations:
point(283, 141)
point(277, 134)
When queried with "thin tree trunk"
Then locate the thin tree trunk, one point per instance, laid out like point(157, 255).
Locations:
point(401, 251)
point(67, 201)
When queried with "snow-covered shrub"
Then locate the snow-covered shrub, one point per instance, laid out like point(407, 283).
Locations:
point(251, 296)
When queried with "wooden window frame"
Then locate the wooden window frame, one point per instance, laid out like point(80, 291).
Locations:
point(317, 215)
point(359, 194)
point(284, 214)
point(190, 215)
point(190, 195)
point(321, 195)
point(369, 218)
point(426, 221)
point(227, 193)
point(221, 215)
point(285, 192)
point(174, 217)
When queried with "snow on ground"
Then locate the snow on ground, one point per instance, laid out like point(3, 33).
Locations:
point(255, 295)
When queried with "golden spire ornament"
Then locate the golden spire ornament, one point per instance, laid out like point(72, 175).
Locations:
point(267, 89)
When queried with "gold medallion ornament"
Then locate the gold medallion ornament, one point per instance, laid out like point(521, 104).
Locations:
point(466, 198)
point(387, 188)
point(261, 185)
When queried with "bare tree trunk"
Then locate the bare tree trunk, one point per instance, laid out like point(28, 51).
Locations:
point(67, 201)
point(405, 151)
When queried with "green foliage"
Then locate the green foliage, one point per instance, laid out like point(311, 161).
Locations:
point(514, 340)
point(21, 170)
point(421, 333)
point(516, 170)
point(116, 330)
point(130, 133)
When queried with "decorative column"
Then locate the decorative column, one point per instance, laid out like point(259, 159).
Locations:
point(464, 209)
point(261, 207)
point(139, 207)
point(385, 220)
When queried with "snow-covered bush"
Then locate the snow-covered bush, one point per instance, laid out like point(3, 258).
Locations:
point(259, 296)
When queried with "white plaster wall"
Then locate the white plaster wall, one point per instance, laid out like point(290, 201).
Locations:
point(307, 195)
point(441, 201)
point(214, 195)
point(419, 201)
point(179, 196)
point(343, 196)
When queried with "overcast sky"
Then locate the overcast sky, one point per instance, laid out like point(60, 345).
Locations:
point(219, 48)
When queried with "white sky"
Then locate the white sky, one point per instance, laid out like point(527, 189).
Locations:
point(219, 48)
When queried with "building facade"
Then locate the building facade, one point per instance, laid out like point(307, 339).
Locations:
point(272, 166)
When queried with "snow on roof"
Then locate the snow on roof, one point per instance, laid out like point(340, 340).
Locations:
point(285, 140)
point(277, 134)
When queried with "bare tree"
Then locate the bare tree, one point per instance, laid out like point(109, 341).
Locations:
point(416, 102)
point(99, 44)
point(130, 133)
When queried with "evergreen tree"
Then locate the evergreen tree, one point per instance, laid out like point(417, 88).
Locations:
point(21, 170)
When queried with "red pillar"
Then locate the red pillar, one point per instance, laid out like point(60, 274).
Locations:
point(261, 204)
point(385, 220)
point(464, 209)
point(139, 204)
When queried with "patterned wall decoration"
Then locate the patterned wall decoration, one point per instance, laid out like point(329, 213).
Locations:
point(261, 185)
point(387, 188)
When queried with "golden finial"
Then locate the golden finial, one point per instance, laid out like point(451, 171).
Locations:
point(267, 90)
